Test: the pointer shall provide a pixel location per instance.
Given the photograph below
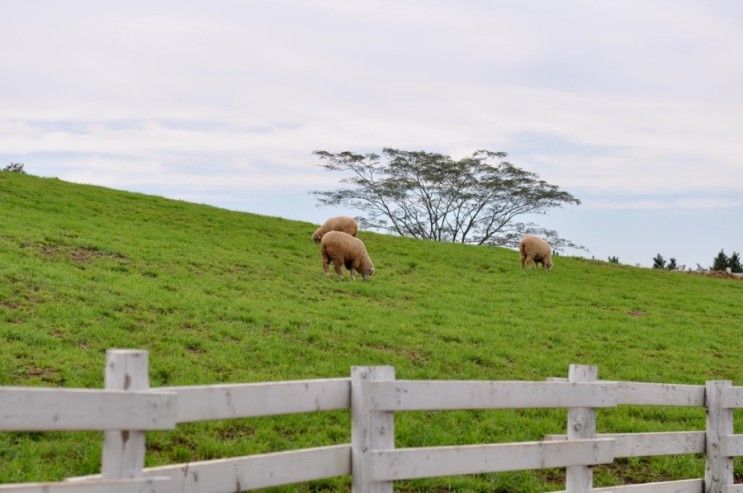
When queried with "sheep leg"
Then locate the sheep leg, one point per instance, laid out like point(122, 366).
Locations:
point(338, 266)
point(523, 261)
point(325, 262)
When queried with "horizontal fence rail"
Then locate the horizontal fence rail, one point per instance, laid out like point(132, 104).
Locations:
point(34, 409)
point(137, 485)
point(682, 486)
point(652, 444)
point(212, 402)
point(257, 471)
point(732, 398)
point(653, 394)
point(659, 394)
point(416, 395)
point(128, 407)
point(731, 445)
point(426, 462)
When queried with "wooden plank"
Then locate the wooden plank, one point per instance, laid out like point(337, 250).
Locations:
point(731, 445)
point(581, 426)
point(370, 430)
point(659, 394)
point(411, 463)
point(139, 485)
point(732, 398)
point(123, 450)
point(652, 444)
point(718, 470)
point(209, 402)
point(420, 395)
point(682, 486)
point(653, 394)
point(255, 471)
point(47, 409)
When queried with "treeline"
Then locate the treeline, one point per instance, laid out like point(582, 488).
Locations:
point(721, 262)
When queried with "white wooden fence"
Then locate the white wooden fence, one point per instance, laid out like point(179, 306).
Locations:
point(128, 407)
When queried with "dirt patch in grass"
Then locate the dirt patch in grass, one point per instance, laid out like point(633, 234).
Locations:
point(411, 354)
point(79, 254)
point(720, 274)
point(6, 303)
point(45, 373)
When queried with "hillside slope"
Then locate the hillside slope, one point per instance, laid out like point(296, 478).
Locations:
point(221, 296)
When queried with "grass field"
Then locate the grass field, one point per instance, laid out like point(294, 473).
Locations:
point(219, 296)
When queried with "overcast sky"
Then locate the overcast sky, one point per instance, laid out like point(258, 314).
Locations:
point(635, 107)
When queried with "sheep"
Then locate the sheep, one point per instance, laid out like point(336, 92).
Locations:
point(536, 250)
point(343, 249)
point(340, 223)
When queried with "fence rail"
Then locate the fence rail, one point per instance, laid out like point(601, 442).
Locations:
point(136, 485)
point(211, 402)
point(128, 407)
point(426, 462)
point(33, 409)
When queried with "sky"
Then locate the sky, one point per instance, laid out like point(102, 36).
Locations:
point(635, 107)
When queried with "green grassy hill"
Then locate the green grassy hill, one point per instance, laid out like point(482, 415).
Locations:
point(219, 296)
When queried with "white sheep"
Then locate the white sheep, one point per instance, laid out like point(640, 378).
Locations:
point(344, 250)
point(340, 223)
point(535, 250)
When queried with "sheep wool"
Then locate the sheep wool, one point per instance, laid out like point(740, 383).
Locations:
point(340, 223)
point(535, 250)
point(342, 249)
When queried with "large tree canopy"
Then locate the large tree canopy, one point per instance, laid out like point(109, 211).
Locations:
point(476, 199)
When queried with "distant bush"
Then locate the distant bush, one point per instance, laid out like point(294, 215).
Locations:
point(720, 262)
point(15, 168)
point(734, 263)
point(659, 262)
point(672, 265)
point(613, 260)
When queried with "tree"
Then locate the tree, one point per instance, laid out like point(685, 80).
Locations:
point(672, 265)
point(659, 262)
point(425, 195)
point(15, 168)
point(734, 262)
point(720, 262)
point(613, 260)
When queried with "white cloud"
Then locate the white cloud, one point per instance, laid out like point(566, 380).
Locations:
point(697, 203)
point(640, 97)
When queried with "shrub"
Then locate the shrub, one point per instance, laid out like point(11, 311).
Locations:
point(720, 262)
point(659, 262)
point(15, 168)
point(734, 263)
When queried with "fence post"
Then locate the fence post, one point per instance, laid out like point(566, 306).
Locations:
point(581, 425)
point(718, 469)
point(123, 450)
point(370, 430)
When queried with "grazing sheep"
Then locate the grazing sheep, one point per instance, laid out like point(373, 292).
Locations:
point(536, 250)
point(340, 223)
point(343, 249)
